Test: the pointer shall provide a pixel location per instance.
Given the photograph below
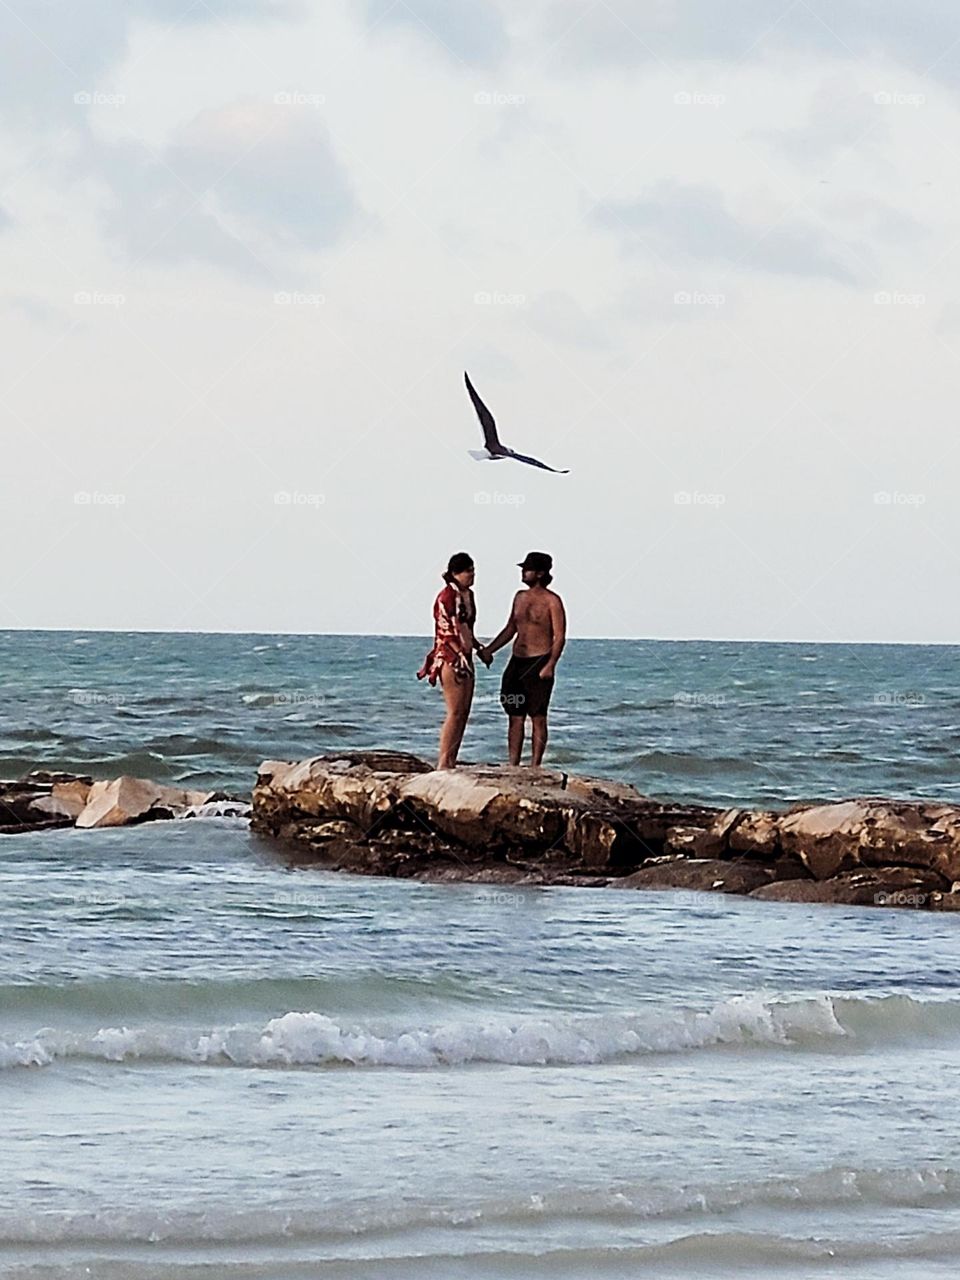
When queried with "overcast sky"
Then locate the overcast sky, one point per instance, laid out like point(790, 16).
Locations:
point(704, 255)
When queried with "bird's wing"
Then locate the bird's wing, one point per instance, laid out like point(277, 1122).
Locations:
point(535, 462)
point(490, 437)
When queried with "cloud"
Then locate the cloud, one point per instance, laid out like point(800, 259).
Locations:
point(5, 219)
point(53, 50)
point(238, 186)
point(155, 217)
point(872, 219)
point(491, 362)
point(559, 318)
point(839, 119)
point(225, 10)
point(40, 312)
point(668, 298)
point(632, 32)
point(467, 31)
point(693, 221)
point(271, 166)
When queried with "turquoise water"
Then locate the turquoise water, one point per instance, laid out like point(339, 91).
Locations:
point(721, 722)
point(214, 1064)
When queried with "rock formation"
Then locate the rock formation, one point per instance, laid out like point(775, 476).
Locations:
point(44, 800)
point(387, 813)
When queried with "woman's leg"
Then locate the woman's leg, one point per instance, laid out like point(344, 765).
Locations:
point(458, 695)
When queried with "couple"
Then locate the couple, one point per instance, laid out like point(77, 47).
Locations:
point(537, 625)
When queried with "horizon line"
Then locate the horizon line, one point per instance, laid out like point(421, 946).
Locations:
point(411, 635)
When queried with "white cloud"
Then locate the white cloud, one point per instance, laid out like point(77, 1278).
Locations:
point(694, 221)
point(272, 166)
point(239, 186)
point(53, 50)
point(561, 318)
point(469, 32)
point(634, 32)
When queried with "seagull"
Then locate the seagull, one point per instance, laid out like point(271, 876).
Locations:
point(494, 450)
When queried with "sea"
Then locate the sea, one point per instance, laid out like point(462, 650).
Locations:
point(218, 1062)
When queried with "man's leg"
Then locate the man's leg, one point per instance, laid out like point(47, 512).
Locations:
point(539, 735)
point(515, 731)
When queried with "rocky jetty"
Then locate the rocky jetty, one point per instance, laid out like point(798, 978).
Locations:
point(388, 813)
point(43, 800)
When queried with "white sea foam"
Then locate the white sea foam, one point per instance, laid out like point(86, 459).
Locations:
point(314, 1039)
point(310, 1039)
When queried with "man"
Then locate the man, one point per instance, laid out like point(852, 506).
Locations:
point(538, 621)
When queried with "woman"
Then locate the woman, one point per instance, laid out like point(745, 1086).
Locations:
point(451, 659)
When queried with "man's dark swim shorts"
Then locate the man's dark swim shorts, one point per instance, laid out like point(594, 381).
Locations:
point(523, 692)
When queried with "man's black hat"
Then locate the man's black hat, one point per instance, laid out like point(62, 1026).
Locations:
point(539, 561)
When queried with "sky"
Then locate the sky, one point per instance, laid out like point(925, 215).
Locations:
point(704, 256)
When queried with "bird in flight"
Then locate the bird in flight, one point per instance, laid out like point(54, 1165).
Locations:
point(494, 449)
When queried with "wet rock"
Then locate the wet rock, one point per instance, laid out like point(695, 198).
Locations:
point(66, 800)
point(114, 804)
point(879, 887)
point(126, 800)
point(756, 835)
point(834, 838)
point(703, 874)
point(695, 842)
point(945, 901)
point(826, 838)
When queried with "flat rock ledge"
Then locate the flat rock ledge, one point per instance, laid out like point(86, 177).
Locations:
point(44, 800)
point(389, 813)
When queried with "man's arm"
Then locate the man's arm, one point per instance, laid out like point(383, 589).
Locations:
point(558, 624)
point(508, 632)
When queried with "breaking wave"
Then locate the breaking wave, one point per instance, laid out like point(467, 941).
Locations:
point(310, 1039)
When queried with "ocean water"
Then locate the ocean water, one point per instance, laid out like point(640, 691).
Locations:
point(724, 722)
point(216, 1064)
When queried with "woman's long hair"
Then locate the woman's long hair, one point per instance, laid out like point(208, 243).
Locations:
point(458, 563)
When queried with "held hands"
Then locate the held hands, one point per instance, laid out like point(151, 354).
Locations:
point(485, 656)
